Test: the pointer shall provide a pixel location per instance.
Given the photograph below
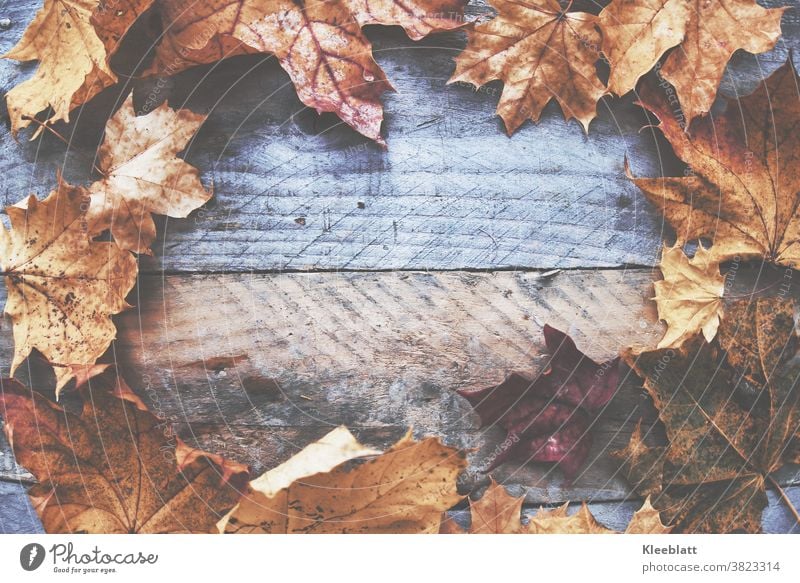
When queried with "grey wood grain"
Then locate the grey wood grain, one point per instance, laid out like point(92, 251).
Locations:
point(616, 515)
point(17, 516)
point(257, 366)
point(299, 191)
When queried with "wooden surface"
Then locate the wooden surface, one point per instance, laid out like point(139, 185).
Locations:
point(331, 282)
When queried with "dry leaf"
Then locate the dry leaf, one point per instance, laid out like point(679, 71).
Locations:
point(723, 445)
point(540, 52)
point(115, 468)
point(320, 44)
point(63, 287)
point(636, 33)
point(549, 419)
point(647, 520)
point(270, 489)
point(404, 490)
point(744, 194)
point(559, 521)
point(72, 63)
point(496, 512)
point(142, 174)
point(689, 298)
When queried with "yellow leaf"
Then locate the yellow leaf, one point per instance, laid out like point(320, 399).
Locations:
point(636, 33)
point(73, 64)
point(404, 490)
point(689, 298)
point(143, 175)
point(496, 512)
point(540, 53)
point(63, 287)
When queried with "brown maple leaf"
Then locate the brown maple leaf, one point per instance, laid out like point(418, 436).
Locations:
point(63, 287)
point(723, 444)
point(549, 419)
point(744, 193)
point(637, 33)
point(143, 175)
point(319, 44)
point(689, 298)
point(115, 467)
point(404, 490)
point(496, 512)
point(540, 52)
point(72, 59)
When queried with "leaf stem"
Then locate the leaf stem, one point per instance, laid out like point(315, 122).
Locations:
point(45, 126)
point(782, 493)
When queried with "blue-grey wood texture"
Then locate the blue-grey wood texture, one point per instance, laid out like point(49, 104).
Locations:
point(255, 363)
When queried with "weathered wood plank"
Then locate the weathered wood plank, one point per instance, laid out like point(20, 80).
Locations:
point(17, 516)
point(9, 468)
point(257, 366)
point(296, 191)
point(451, 192)
point(243, 361)
point(777, 519)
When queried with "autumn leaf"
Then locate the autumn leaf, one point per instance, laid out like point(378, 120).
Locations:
point(143, 175)
point(637, 33)
point(496, 512)
point(559, 521)
point(548, 419)
point(744, 193)
point(62, 286)
point(540, 52)
point(115, 467)
point(404, 490)
point(319, 44)
point(72, 68)
point(689, 298)
point(647, 520)
point(723, 444)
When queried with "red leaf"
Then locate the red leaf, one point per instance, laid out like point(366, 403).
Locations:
point(548, 419)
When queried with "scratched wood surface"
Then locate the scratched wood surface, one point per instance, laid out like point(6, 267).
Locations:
point(331, 282)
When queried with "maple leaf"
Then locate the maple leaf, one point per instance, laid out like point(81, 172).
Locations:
point(540, 52)
point(72, 59)
point(319, 44)
point(63, 287)
point(548, 419)
point(403, 490)
point(636, 33)
point(143, 175)
point(744, 194)
point(722, 446)
point(114, 468)
point(689, 298)
point(496, 512)
point(647, 520)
